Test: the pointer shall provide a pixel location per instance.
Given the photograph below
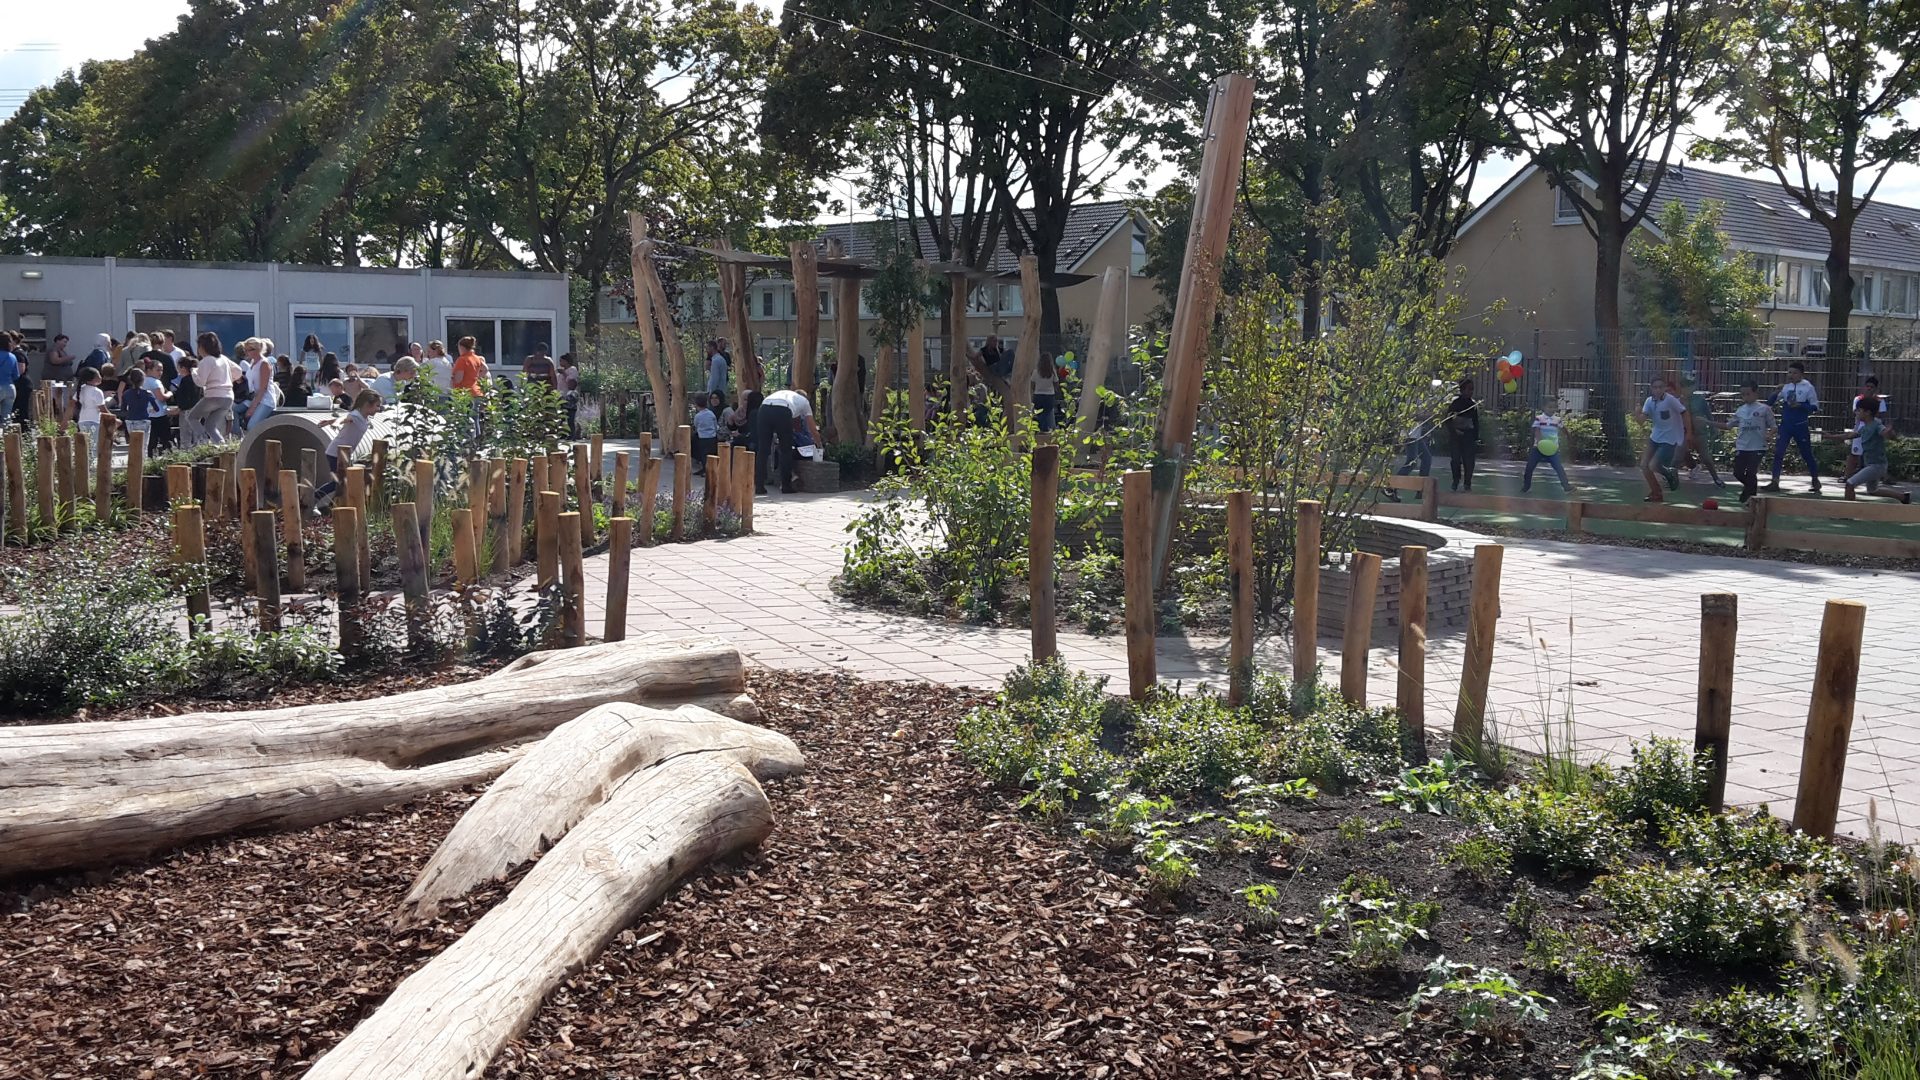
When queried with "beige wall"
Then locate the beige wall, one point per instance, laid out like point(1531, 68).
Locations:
point(1537, 273)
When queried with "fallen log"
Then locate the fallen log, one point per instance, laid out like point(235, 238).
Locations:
point(568, 773)
point(89, 794)
point(447, 1020)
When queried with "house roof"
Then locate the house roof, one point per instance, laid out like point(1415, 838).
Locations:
point(1088, 227)
point(1757, 215)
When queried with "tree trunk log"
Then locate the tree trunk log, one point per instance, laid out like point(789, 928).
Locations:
point(88, 794)
point(448, 1020)
point(565, 776)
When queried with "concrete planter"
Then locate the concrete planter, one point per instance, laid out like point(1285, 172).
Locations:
point(814, 475)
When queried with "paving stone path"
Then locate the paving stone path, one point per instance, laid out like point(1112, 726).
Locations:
point(1609, 633)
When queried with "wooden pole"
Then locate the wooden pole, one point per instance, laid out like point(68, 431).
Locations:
point(546, 539)
point(63, 480)
point(682, 488)
point(1759, 512)
point(477, 498)
point(77, 462)
point(733, 294)
point(190, 549)
point(413, 572)
point(1099, 358)
point(48, 479)
point(806, 317)
point(572, 581)
point(249, 502)
point(270, 473)
point(377, 478)
point(1357, 638)
point(1476, 667)
point(1410, 698)
point(583, 492)
point(916, 361)
point(1823, 756)
point(596, 451)
point(618, 496)
point(292, 527)
point(743, 483)
point(423, 498)
point(683, 439)
point(136, 470)
point(958, 365)
point(649, 488)
point(1040, 538)
point(214, 505)
point(1306, 593)
point(310, 466)
point(1229, 109)
point(1713, 709)
point(265, 535)
point(346, 576)
point(466, 560)
point(179, 484)
point(17, 486)
point(497, 514)
point(882, 386)
point(710, 497)
point(1137, 496)
point(538, 479)
point(723, 480)
point(1019, 399)
point(1240, 585)
point(230, 507)
point(517, 511)
point(103, 472)
point(357, 498)
point(640, 255)
point(619, 558)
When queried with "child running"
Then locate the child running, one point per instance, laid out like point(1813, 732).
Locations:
point(1668, 416)
point(1702, 445)
point(1751, 424)
point(353, 431)
point(1546, 447)
point(1798, 402)
point(1870, 435)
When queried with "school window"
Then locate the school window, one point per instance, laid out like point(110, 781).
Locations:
point(354, 338)
point(1789, 289)
point(187, 325)
point(995, 298)
point(766, 303)
point(502, 340)
point(826, 303)
point(1864, 291)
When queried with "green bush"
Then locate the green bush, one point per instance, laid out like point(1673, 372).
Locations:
point(1601, 978)
point(1692, 913)
point(1756, 844)
point(97, 636)
point(1483, 859)
point(1377, 920)
point(1044, 732)
point(1665, 774)
point(1184, 745)
point(1484, 999)
point(1637, 1045)
point(1335, 745)
point(1562, 833)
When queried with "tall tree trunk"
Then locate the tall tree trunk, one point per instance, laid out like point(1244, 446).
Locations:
point(1609, 246)
point(596, 282)
point(1839, 288)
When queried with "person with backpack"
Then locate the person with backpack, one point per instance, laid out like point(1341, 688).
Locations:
point(1462, 424)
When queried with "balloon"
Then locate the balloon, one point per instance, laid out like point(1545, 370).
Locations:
point(1509, 386)
point(1068, 357)
point(1504, 370)
point(1549, 446)
point(1514, 358)
point(1517, 372)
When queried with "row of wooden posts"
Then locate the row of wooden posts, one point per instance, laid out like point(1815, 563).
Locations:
point(1829, 718)
point(498, 496)
point(61, 476)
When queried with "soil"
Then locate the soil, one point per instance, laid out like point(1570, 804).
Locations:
point(903, 920)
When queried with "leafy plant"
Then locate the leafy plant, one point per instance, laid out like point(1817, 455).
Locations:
point(1758, 844)
point(1482, 858)
point(1167, 862)
point(1336, 745)
point(1485, 1000)
point(1125, 817)
point(1635, 1044)
point(1263, 904)
point(1729, 918)
point(1043, 730)
point(1191, 744)
point(1561, 833)
point(1664, 775)
point(1601, 978)
point(1377, 920)
point(1433, 788)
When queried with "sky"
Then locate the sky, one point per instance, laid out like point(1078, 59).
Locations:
point(48, 38)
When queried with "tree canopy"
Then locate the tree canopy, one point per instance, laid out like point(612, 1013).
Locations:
point(1690, 278)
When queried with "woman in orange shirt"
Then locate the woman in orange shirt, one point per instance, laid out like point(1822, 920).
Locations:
point(469, 368)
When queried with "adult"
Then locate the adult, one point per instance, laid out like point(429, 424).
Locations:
point(262, 395)
point(566, 379)
point(60, 361)
point(740, 420)
point(773, 425)
point(298, 388)
point(717, 363)
point(311, 351)
point(439, 365)
point(10, 365)
point(539, 367)
point(1462, 423)
point(329, 368)
point(283, 373)
point(175, 354)
point(389, 386)
point(1798, 401)
point(102, 353)
point(211, 419)
point(1046, 388)
point(469, 368)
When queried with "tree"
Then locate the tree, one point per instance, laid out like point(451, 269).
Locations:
point(1690, 278)
point(1831, 90)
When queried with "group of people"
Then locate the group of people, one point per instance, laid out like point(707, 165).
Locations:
point(1680, 434)
point(1050, 375)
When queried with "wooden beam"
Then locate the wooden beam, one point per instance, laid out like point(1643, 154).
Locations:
point(639, 253)
point(1357, 639)
point(1306, 592)
point(1476, 668)
point(1410, 697)
point(806, 319)
point(1823, 757)
point(1019, 400)
point(1137, 563)
point(1713, 708)
point(1040, 537)
point(1240, 586)
point(1094, 365)
point(849, 410)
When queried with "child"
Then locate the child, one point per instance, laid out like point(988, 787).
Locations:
point(1546, 447)
point(353, 431)
point(1798, 402)
point(706, 431)
point(138, 404)
point(1869, 389)
point(1668, 416)
point(337, 390)
point(1701, 448)
point(1871, 436)
point(1752, 422)
point(91, 401)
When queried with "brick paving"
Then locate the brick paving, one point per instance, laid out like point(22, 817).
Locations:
point(1608, 632)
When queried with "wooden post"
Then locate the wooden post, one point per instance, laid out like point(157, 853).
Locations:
point(292, 527)
point(683, 439)
point(673, 392)
point(81, 466)
point(1410, 697)
point(48, 479)
point(649, 487)
point(724, 480)
point(310, 466)
point(881, 385)
point(190, 549)
point(377, 477)
point(497, 513)
point(249, 502)
point(640, 253)
point(806, 319)
point(270, 473)
point(1476, 667)
point(228, 464)
point(423, 494)
point(958, 365)
point(743, 483)
point(583, 492)
point(1306, 592)
point(136, 470)
point(357, 498)
point(62, 481)
point(546, 539)
point(1429, 499)
point(1137, 552)
point(413, 571)
point(265, 536)
point(572, 581)
point(466, 560)
point(1713, 709)
point(617, 505)
point(1040, 537)
point(214, 505)
point(346, 576)
point(916, 361)
point(1240, 583)
point(1094, 365)
point(179, 484)
point(596, 448)
point(517, 511)
point(477, 499)
point(16, 486)
point(538, 480)
point(682, 488)
point(1759, 511)
point(1229, 109)
point(1576, 517)
point(103, 473)
point(1357, 638)
point(1019, 400)
point(1823, 755)
point(619, 559)
point(710, 497)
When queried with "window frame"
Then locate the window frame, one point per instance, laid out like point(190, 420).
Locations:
point(193, 309)
point(499, 315)
point(348, 312)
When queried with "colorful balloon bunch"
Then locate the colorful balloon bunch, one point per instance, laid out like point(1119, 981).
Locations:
point(1509, 371)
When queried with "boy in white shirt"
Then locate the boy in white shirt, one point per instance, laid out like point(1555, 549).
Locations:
point(1546, 447)
point(1751, 424)
point(706, 431)
point(1667, 416)
point(92, 400)
point(1798, 402)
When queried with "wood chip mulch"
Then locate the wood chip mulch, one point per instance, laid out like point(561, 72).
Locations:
point(901, 922)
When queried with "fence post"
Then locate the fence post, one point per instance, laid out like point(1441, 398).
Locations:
point(724, 478)
point(743, 484)
point(574, 615)
point(423, 496)
point(190, 549)
point(1576, 516)
point(497, 513)
point(1759, 510)
point(1411, 697)
point(1137, 552)
point(295, 536)
point(617, 507)
point(136, 470)
point(1476, 668)
point(1040, 535)
point(619, 558)
point(231, 496)
point(63, 479)
point(649, 488)
point(270, 473)
point(77, 483)
point(214, 505)
point(1429, 499)
point(682, 486)
point(103, 473)
point(357, 498)
point(1823, 755)
point(1306, 592)
point(1357, 636)
point(710, 497)
point(546, 539)
point(476, 498)
point(16, 487)
point(413, 571)
point(1713, 712)
point(583, 491)
point(249, 502)
point(465, 559)
point(595, 447)
point(1240, 583)
point(264, 535)
point(377, 478)
point(346, 576)
point(179, 484)
point(517, 511)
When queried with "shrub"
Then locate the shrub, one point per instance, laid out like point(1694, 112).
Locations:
point(1692, 913)
point(1337, 746)
point(1635, 1045)
point(1378, 921)
point(1482, 858)
point(1599, 977)
point(1191, 744)
point(1434, 788)
point(1125, 817)
point(1043, 732)
point(1263, 904)
point(1561, 833)
point(1665, 775)
point(1757, 844)
point(1485, 1000)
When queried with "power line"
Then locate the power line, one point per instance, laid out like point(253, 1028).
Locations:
point(841, 25)
point(1010, 35)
